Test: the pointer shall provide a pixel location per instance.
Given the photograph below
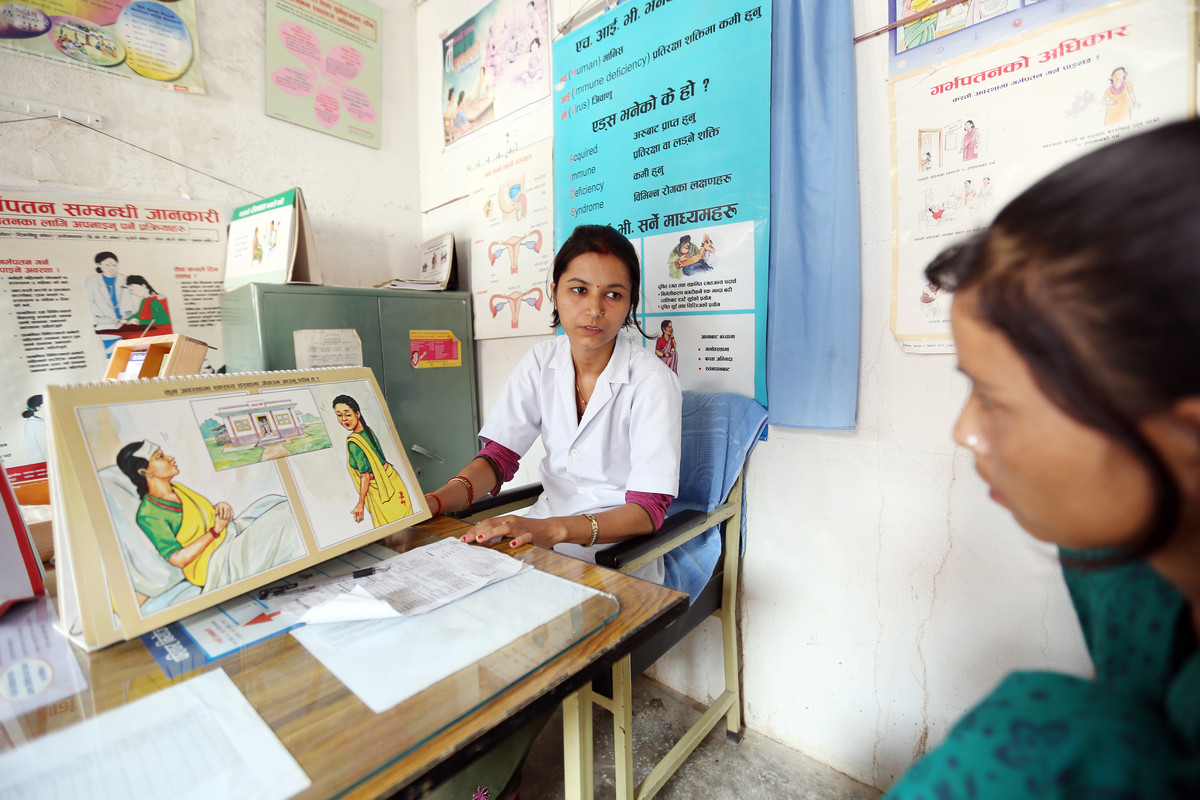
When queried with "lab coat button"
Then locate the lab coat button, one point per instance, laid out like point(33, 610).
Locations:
point(574, 453)
point(582, 489)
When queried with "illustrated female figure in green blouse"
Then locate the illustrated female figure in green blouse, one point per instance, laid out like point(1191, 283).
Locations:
point(183, 525)
point(380, 489)
point(150, 308)
point(1075, 320)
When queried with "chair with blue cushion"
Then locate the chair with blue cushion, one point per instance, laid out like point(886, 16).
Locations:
point(701, 544)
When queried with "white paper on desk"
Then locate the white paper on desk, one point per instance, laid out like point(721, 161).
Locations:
point(387, 661)
point(352, 606)
point(415, 582)
point(199, 739)
point(37, 663)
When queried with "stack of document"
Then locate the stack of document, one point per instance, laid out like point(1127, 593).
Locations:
point(415, 582)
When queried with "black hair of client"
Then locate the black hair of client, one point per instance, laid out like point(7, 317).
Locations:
point(132, 465)
point(602, 240)
point(32, 405)
point(138, 280)
point(1093, 276)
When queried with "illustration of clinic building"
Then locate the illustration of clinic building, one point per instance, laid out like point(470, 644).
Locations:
point(260, 423)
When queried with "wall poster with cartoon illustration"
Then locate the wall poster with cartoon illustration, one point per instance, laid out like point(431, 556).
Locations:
point(198, 490)
point(654, 106)
point(496, 62)
point(141, 41)
point(973, 131)
point(325, 67)
point(921, 28)
point(79, 273)
point(512, 223)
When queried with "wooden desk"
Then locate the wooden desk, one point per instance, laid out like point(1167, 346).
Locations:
point(348, 751)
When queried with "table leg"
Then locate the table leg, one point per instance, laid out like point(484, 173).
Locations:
point(577, 744)
point(622, 682)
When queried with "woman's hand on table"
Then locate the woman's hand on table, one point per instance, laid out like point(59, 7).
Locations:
point(518, 530)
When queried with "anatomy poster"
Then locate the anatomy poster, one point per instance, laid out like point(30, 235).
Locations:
point(324, 66)
point(79, 273)
point(493, 64)
point(653, 107)
point(143, 41)
point(966, 141)
point(512, 241)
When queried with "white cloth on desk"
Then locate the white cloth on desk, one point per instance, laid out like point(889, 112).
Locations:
point(628, 439)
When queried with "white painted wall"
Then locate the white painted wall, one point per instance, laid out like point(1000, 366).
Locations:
point(884, 594)
point(363, 202)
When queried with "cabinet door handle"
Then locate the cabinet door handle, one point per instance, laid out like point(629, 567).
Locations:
point(416, 448)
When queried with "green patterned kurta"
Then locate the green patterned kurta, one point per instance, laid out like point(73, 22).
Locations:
point(1131, 734)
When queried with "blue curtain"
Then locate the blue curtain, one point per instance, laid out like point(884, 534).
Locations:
point(813, 316)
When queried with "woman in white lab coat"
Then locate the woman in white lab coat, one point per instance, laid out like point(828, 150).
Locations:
point(608, 413)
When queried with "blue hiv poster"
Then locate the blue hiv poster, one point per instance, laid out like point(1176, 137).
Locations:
point(662, 121)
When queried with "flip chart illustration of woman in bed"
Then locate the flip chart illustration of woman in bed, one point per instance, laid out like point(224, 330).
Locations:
point(211, 544)
point(380, 489)
point(184, 526)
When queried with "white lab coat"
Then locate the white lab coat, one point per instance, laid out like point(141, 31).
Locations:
point(628, 438)
point(100, 303)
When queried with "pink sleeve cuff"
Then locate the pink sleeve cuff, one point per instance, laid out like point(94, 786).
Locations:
point(655, 504)
point(504, 460)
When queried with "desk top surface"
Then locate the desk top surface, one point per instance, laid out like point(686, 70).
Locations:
point(349, 751)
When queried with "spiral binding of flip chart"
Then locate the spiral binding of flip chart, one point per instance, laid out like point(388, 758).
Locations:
point(216, 377)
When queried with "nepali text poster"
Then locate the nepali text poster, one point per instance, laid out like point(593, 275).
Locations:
point(324, 67)
point(662, 118)
point(493, 64)
point(971, 133)
point(512, 236)
point(79, 273)
point(143, 41)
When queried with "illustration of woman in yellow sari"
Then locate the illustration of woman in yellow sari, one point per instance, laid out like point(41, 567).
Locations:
point(183, 525)
point(380, 489)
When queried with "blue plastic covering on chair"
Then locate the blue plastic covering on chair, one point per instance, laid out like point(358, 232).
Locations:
point(719, 431)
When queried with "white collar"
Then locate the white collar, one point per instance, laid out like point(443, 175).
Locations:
point(619, 365)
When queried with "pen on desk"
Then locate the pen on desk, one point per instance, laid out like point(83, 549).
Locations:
point(299, 586)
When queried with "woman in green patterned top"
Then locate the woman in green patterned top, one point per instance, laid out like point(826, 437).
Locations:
point(1077, 319)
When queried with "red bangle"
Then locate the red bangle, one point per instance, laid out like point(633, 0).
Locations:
point(470, 488)
point(435, 497)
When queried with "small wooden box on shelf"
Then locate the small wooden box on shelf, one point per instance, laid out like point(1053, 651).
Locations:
point(156, 356)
